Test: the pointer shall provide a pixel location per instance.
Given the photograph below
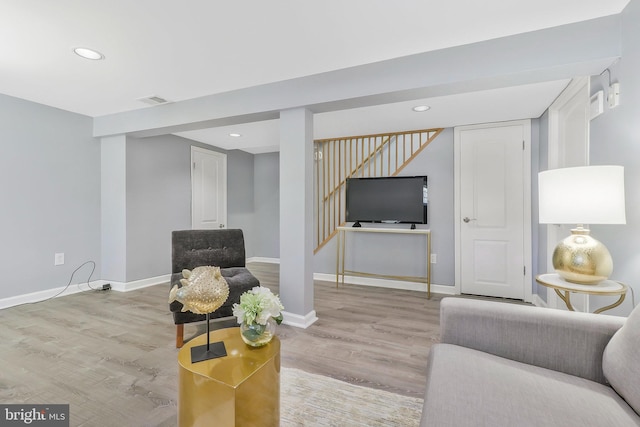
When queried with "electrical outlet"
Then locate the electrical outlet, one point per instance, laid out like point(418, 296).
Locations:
point(434, 258)
point(59, 259)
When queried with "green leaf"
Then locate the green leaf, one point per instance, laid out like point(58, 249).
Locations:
point(253, 331)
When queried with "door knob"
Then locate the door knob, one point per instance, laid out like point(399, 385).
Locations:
point(221, 226)
point(467, 219)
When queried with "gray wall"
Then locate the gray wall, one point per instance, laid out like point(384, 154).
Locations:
point(615, 139)
point(158, 202)
point(437, 163)
point(240, 196)
point(400, 254)
point(50, 184)
point(50, 189)
point(159, 199)
point(267, 205)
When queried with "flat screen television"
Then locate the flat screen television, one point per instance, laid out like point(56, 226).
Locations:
point(399, 199)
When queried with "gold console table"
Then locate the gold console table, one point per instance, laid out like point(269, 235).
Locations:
point(240, 389)
point(340, 254)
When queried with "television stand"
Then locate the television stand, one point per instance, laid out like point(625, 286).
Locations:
point(340, 254)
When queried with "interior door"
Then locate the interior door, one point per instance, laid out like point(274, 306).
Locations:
point(491, 177)
point(208, 189)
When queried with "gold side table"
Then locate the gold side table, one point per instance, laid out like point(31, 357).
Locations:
point(564, 289)
point(240, 389)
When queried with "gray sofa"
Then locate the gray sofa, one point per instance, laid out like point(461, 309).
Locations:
point(502, 364)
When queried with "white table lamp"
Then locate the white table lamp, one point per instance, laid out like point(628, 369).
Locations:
point(582, 195)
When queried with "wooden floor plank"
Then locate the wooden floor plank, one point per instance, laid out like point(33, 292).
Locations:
point(369, 336)
point(112, 355)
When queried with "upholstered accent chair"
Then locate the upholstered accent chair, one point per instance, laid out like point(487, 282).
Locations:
point(217, 248)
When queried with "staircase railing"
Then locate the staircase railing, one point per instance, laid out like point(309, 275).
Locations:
point(358, 156)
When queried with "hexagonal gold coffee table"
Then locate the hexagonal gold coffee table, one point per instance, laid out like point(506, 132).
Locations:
point(240, 389)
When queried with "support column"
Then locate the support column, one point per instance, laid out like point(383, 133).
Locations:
point(296, 217)
point(113, 174)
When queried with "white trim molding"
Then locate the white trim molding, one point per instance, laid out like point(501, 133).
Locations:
point(266, 260)
point(299, 321)
point(40, 296)
point(368, 281)
point(139, 284)
point(289, 318)
point(385, 283)
point(576, 92)
point(95, 285)
point(539, 302)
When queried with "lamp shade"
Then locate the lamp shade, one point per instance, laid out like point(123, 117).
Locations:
point(582, 195)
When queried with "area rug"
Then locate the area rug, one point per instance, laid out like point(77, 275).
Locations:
point(318, 401)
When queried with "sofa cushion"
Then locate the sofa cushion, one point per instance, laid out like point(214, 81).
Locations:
point(620, 362)
point(467, 387)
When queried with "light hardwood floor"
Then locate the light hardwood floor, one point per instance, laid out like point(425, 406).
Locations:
point(364, 335)
point(111, 355)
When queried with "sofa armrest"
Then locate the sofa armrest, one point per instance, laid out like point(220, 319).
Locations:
point(564, 341)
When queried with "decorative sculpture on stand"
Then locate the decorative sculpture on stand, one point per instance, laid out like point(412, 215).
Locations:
point(203, 291)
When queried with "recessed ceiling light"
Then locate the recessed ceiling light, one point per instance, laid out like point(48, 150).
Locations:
point(88, 53)
point(235, 135)
point(420, 108)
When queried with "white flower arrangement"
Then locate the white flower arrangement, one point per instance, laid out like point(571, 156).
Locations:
point(257, 306)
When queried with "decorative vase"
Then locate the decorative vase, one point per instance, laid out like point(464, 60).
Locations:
point(257, 335)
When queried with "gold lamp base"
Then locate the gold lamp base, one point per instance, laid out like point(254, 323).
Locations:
point(582, 259)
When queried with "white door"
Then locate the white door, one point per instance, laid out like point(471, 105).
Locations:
point(493, 220)
point(208, 189)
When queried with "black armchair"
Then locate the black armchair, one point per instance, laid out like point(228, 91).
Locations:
point(218, 248)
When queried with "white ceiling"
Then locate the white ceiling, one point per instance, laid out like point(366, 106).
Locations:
point(446, 111)
point(183, 50)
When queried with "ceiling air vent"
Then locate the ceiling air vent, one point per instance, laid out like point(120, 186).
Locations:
point(153, 100)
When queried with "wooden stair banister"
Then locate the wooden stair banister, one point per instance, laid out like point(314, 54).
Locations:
point(363, 156)
point(358, 167)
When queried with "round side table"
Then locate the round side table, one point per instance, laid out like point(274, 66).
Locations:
point(563, 289)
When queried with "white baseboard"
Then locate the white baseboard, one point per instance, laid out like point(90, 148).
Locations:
point(443, 289)
point(39, 296)
point(292, 319)
point(139, 284)
point(384, 283)
point(264, 259)
point(538, 302)
point(299, 321)
point(367, 281)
